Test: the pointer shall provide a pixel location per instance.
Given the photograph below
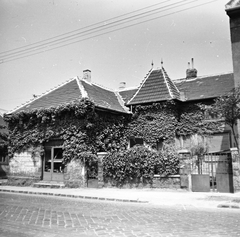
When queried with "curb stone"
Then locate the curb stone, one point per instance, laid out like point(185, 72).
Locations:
point(74, 196)
point(229, 205)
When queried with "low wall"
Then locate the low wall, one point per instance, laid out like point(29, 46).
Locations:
point(171, 182)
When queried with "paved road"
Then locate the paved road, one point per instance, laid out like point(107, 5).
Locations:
point(25, 215)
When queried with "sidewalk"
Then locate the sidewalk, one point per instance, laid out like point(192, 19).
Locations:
point(144, 196)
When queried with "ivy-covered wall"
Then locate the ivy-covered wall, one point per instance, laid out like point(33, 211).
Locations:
point(163, 122)
point(83, 128)
point(78, 124)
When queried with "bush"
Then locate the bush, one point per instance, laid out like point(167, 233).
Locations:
point(134, 165)
point(139, 164)
point(169, 160)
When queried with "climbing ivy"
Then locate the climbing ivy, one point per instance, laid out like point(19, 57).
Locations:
point(78, 124)
point(164, 121)
point(85, 129)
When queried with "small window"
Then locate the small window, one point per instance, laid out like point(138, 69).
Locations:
point(136, 141)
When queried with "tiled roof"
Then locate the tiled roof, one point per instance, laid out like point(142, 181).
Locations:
point(127, 94)
point(104, 98)
point(72, 90)
point(156, 87)
point(205, 87)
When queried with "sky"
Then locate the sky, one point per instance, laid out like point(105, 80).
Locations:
point(176, 35)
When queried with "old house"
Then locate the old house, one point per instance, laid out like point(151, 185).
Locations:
point(74, 117)
point(79, 116)
point(157, 87)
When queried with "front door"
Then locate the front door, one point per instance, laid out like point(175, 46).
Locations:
point(53, 167)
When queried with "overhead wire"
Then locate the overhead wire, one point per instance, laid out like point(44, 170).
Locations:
point(39, 45)
point(21, 55)
point(95, 24)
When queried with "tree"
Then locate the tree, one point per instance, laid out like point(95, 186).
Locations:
point(227, 107)
point(198, 147)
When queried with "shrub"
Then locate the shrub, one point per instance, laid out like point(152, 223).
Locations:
point(169, 160)
point(139, 164)
point(134, 165)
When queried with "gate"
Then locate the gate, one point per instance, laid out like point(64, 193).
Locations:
point(92, 174)
point(212, 171)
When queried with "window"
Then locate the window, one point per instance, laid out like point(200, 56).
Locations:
point(135, 141)
point(211, 115)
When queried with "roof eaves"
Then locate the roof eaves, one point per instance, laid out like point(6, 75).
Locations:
point(112, 110)
point(43, 94)
point(139, 88)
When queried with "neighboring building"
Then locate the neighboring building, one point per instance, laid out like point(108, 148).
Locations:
point(233, 11)
point(158, 87)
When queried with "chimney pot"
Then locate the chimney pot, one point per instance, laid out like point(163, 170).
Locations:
point(87, 75)
point(122, 85)
point(191, 72)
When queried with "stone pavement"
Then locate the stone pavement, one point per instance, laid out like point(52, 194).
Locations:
point(51, 216)
point(150, 196)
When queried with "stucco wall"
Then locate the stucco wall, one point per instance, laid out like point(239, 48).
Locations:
point(25, 164)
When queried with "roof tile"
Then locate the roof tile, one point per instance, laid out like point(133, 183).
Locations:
point(73, 90)
point(157, 86)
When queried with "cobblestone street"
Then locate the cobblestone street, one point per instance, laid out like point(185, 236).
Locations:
point(26, 215)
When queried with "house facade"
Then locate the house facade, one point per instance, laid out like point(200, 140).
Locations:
point(54, 129)
point(50, 131)
point(192, 90)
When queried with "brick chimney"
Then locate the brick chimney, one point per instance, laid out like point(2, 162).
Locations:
point(87, 75)
point(191, 72)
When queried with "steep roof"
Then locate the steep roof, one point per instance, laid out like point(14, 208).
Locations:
point(205, 87)
point(75, 89)
point(156, 87)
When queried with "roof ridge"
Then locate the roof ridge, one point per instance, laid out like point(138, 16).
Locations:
point(103, 87)
point(141, 84)
point(201, 77)
point(121, 101)
point(168, 86)
point(40, 96)
point(169, 80)
point(81, 88)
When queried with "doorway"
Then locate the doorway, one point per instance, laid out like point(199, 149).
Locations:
point(53, 164)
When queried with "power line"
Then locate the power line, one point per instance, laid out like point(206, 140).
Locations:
point(40, 44)
point(15, 57)
point(95, 24)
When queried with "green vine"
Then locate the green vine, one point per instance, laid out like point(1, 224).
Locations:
point(85, 129)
